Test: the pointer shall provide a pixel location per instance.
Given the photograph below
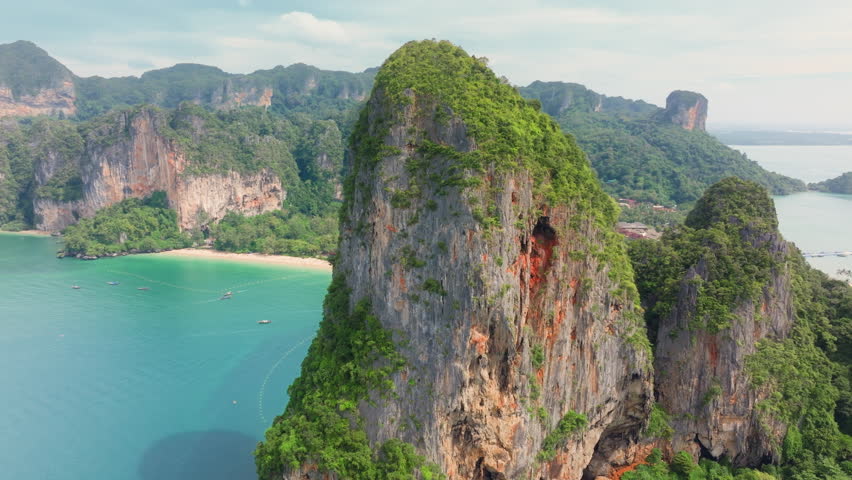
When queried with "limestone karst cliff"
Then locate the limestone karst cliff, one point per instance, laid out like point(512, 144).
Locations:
point(482, 317)
point(745, 338)
point(735, 292)
point(686, 109)
point(132, 154)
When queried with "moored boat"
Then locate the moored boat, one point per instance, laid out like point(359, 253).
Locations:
point(264, 322)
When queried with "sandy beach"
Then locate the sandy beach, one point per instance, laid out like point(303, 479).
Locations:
point(314, 263)
point(37, 233)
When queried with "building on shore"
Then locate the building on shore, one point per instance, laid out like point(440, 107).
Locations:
point(637, 230)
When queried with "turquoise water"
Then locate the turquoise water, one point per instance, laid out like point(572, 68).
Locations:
point(110, 382)
point(805, 162)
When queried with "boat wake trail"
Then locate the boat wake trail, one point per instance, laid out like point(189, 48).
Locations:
point(269, 374)
point(166, 284)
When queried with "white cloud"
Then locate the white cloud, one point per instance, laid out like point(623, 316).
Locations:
point(306, 27)
point(750, 60)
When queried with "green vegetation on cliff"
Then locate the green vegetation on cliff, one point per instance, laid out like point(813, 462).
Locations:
point(728, 238)
point(444, 84)
point(725, 237)
point(682, 467)
point(841, 184)
point(24, 146)
point(640, 157)
point(810, 375)
point(510, 133)
point(352, 357)
point(129, 226)
point(350, 361)
point(42, 159)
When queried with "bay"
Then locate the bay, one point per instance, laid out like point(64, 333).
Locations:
point(810, 163)
point(818, 222)
point(814, 221)
point(167, 383)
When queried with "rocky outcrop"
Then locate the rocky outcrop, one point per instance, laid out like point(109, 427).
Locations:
point(686, 109)
point(701, 377)
point(32, 83)
point(47, 101)
point(204, 199)
point(234, 95)
point(509, 325)
point(132, 156)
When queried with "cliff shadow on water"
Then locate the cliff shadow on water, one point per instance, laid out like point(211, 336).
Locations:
point(212, 455)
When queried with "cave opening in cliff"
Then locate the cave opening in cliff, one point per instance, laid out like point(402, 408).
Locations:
point(485, 472)
point(543, 232)
point(704, 452)
point(543, 240)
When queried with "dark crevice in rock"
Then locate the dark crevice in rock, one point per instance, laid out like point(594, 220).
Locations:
point(484, 472)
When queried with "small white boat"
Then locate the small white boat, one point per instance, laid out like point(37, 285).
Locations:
point(264, 322)
point(75, 287)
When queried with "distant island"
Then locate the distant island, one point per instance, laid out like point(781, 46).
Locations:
point(841, 184)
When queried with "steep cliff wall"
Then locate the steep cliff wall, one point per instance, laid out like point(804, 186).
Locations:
point(686, 109)
point(729, 288)
point(235, 94)
point(701, 377)
point(477, 234)
point(134, 153)
point(47, 101)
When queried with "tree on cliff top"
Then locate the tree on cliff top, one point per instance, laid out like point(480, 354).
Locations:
point(509, 131)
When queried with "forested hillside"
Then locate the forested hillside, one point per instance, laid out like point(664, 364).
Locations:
point(639, 156)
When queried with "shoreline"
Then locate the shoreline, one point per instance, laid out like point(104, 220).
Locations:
point(28, 233)
point(259, 258)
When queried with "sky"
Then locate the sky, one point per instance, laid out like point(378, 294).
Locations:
point(761, 64)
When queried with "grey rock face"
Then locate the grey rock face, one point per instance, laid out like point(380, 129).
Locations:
point(472, 305)
point(700, 376)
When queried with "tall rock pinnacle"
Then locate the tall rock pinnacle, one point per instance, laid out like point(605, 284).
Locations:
point(482, 319)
